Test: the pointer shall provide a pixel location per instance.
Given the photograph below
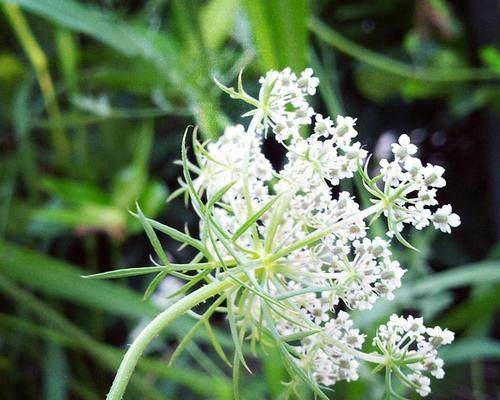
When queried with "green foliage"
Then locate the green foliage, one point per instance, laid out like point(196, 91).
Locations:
point(275, 23)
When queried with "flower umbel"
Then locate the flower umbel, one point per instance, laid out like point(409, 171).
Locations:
point(289, 255)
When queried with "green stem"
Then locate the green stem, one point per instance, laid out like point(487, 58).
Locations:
point(346, 46)
point(40, 65)
point(153, 329)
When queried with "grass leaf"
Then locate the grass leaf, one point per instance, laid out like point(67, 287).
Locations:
point(62, 280)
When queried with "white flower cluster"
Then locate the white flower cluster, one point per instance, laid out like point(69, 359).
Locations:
point(284, 98)
point(411, 189)
point(331, 363)
point(305, 242)
point(409, 343)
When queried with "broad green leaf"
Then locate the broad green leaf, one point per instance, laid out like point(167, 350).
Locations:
point(62, 280)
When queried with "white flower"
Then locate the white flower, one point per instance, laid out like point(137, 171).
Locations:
point(403, 149)
point(421, 383)
point(307, 82)
point(440, 337)
point(433, 176)
point(344, 131)
point(443, 219)
point(323, 126)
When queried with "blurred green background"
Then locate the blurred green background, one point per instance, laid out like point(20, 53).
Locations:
point(94, 99)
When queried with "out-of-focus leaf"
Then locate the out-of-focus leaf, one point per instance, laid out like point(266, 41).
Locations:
point(222, 11)
point(86, 216)
point(11, 69)
point(469, 349)
point(466, 275)
point(56, 278)
point(479, 306)
point(56, 373)
point(129, 183)
point(104, 27)
point(24, 326)
point(280, 32)
point(78, 192)
point(377, 85)
point(274, 372)
point(153, 198)
point(107, 355)
point(491, 57)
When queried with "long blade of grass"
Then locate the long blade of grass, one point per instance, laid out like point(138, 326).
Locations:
point(344, 45)
point(64, 281)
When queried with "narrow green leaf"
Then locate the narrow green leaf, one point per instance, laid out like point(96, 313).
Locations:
point(236, 376)
point(102, 26)
point(152, 237)
point(387, 64)
point(254, 218)
point(175, 234)
point(233, 326)
point(154, 284)
point(218, 195)
point(125, 272)
point(109, 356)
point(288, 359)
point(190, 335)
point(216, 344)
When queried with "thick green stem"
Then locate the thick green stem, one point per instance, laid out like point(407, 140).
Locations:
point(153, 329)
